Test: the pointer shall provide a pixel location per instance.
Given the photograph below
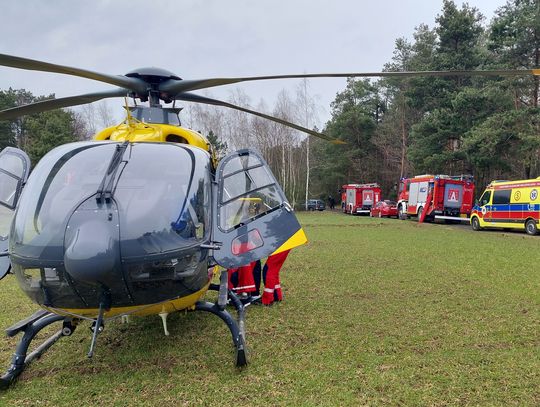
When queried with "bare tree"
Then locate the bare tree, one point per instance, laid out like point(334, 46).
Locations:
point(96, 116)
point(307, 114)
point(282, 147)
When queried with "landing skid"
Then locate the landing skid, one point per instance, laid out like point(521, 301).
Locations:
point(31, 326)
point(237, 327)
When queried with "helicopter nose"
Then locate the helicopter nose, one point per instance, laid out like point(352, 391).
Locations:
point(91, 245)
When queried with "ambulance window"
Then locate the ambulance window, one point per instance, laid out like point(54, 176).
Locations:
point(485, 198)
point(502, 197)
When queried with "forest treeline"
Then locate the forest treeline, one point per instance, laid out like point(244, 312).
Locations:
point(485, 126)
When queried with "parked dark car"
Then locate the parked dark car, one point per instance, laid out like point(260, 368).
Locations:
point(315, 205)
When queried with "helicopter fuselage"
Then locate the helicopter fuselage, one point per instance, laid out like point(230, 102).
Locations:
point(72, 247)
point(128, 222)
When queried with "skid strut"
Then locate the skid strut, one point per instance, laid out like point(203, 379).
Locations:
point(31, 327)
point(237, 327)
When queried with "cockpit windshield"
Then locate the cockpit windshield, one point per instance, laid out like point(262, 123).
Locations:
point(162, 193)
point(163, 197)
point(62, 180)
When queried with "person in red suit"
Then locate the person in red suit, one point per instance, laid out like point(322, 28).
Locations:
point(272, 284)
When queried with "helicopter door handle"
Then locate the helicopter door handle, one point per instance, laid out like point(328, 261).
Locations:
point(216, 246)
point(287, 206)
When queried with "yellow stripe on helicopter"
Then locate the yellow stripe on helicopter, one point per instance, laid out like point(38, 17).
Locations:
point(298, 239)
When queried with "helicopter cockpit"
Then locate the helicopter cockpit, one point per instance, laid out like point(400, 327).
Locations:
point(162, 115)
point(149, 229)
point(125, 224)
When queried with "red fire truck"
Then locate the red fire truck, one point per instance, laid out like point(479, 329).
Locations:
point(432, 197)
point(359, 198)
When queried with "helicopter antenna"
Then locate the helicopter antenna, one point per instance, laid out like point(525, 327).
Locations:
point(128, 111)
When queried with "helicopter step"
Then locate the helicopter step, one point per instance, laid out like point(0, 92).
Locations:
point(21, 325)
point(31, 326)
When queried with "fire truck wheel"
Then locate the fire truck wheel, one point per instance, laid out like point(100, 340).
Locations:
point(530, 227)
point(420, 210)
point(401, 213)
point(475, 224)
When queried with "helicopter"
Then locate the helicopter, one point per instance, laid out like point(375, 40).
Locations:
point(138, 221)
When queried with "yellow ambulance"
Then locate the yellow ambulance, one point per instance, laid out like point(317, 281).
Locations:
point(509, 204)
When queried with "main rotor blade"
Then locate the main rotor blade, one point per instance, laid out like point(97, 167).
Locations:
point(190, 97)
point(134, 84)
point(52, 104)
point(173, 86)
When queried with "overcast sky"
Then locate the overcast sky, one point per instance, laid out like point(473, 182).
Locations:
point(210, 38)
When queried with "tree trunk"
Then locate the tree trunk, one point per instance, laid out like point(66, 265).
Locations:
point(536, 80)
point(307, 168)
point(403, 142)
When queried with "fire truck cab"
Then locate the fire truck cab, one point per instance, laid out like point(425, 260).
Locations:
point(436, 197)
point(359, 198)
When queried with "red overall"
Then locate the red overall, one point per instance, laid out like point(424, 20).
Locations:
point(272, 285)
point(246, 279)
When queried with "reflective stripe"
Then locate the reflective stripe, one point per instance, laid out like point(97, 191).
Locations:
point(268, 290)
point(244, 287)
point(278, 286)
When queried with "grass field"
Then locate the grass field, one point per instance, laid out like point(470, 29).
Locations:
point(376, 312)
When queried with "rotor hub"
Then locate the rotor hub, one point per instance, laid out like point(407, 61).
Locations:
point(153, 75)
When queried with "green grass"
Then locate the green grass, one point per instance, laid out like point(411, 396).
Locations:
point(376, 312)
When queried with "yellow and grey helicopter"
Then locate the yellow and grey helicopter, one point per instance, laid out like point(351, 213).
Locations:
point(136, 221)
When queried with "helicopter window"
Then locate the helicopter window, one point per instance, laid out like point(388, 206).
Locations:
point(163, 196)
point(8, 188)
point(251, 205)
point(247, 190)
point(260, 176)
point(13, 164)
point(240, 163)
point(61, 181)
point(173, 119)
point(156, 115)
point(237, 184)
point(33, 277)
point(5, 222)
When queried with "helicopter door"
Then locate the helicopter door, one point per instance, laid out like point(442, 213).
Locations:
point(252, 217)
point(14, 167)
